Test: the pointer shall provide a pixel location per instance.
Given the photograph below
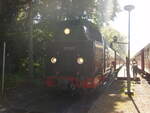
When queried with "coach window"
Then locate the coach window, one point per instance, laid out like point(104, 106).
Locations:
point(148, 53)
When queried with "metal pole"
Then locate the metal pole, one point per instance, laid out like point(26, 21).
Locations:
point(3, 69)
point(128, 74)
point(115, 60)
point(128, 8)
point(30, 41)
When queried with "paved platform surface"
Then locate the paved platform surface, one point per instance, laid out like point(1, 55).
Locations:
point(114, 100)
point(122, 73)
point(139, 102)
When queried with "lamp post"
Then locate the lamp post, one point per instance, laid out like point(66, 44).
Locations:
point(128, 8)
point(3, 70)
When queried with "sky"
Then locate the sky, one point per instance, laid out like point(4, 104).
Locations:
point(139, 23)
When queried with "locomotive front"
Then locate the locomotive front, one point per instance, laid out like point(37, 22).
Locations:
point(74, 58)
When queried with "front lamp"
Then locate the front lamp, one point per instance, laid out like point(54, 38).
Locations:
point(67, 31)
point(80, 60)
point(53, 60)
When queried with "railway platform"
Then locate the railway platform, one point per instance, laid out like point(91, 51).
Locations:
point(116, 101)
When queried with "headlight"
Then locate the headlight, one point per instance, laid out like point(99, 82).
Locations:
point(53, 60)
point(80, 60)
point(67, 31)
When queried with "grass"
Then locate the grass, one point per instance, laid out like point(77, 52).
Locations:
point(12, 80)
point(17, 79)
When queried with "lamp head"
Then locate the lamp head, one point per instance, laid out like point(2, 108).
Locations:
point(129, 7)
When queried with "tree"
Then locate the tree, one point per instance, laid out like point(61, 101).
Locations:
point(19, 23)
point(109, 33)
point(99, 11)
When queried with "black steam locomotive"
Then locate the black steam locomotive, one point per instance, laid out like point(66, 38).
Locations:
point(78, 57)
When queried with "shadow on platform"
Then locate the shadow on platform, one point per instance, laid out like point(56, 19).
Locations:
point(136, 107)
point(112, 101)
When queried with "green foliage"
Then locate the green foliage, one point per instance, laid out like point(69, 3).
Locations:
point(15, 80)
point(109, 34)
point(21, 14)
point(99, 11)
point(23, 20)
point(45, 11)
